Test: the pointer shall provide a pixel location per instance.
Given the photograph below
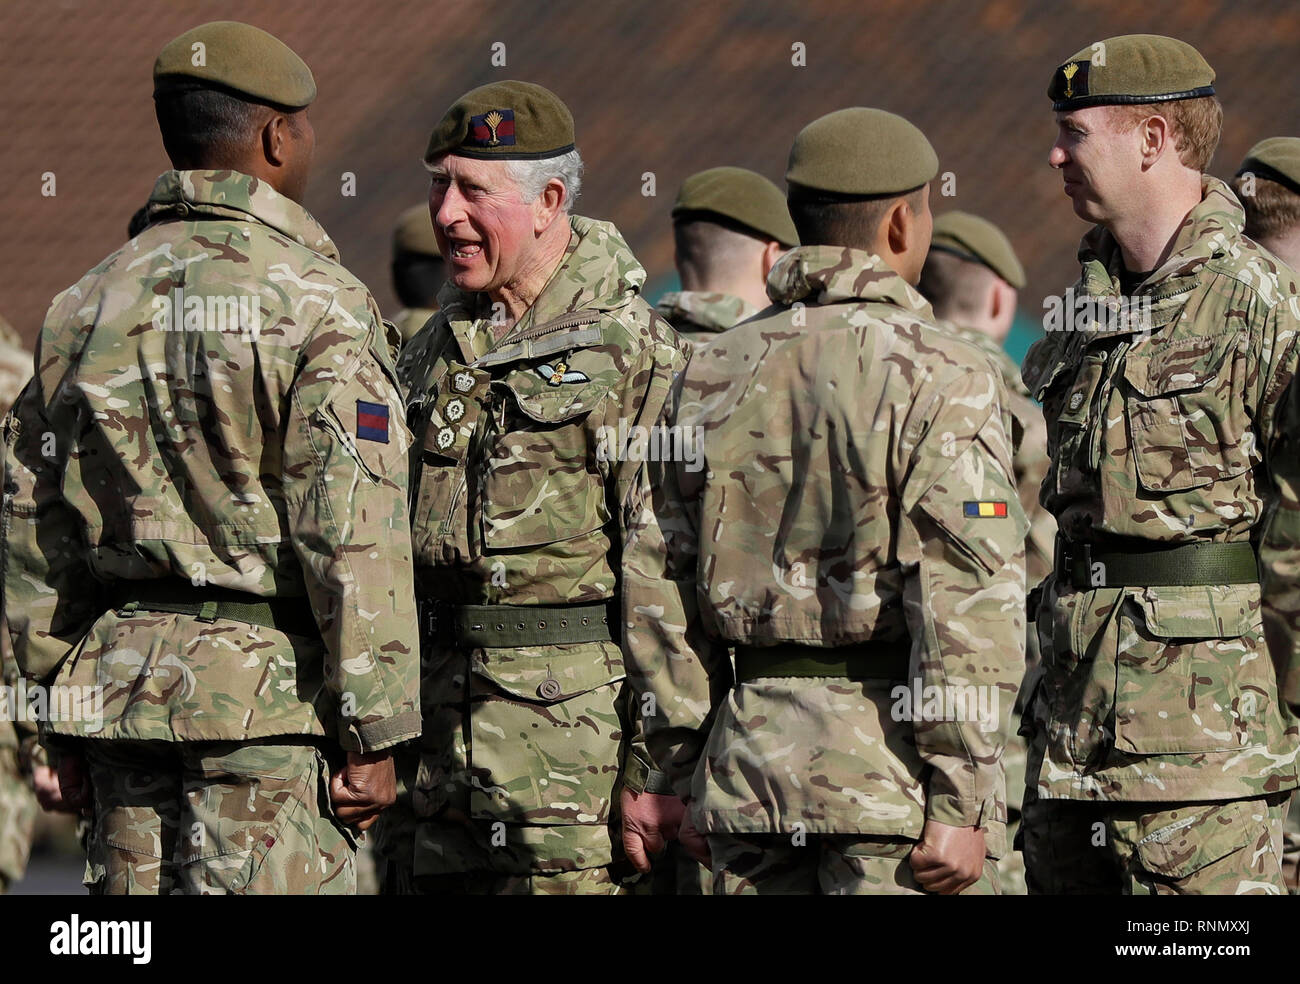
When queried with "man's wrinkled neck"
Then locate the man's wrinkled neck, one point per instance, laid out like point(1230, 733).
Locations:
point(517, 296)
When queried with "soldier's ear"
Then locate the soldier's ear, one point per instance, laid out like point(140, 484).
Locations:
point(550, 204)
point(772, 252)
point(275, 139)
point(900, 226)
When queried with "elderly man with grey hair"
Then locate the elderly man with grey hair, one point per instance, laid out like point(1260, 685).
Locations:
point(528, 395)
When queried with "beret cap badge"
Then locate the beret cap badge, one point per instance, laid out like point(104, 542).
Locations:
point(495, 128)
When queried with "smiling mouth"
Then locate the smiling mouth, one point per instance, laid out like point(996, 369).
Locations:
point(464, 250)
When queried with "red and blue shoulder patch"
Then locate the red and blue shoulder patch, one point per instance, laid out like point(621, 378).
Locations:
point(372, 421)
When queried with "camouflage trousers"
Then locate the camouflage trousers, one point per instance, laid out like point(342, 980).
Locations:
point(587, 881)
point(248, 818)
point(1232, 847)
point(770, 864)
point(17, 818)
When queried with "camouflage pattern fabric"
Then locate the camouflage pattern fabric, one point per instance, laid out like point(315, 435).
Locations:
point(1223, 848)
point(18, 805)
point(519, 482)
point(844, 438)
point(409, 321)
point(1030, 463)
point(1165, 431)
point(15, 366)
point(585, 881)
point(260, 449)
point(1029, 457)
point(17, 818)
point(767, 864)
point(698, 315)
point(215, 818)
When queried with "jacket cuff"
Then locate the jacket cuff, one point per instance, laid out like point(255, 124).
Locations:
point(954, 810)
point(374, 736)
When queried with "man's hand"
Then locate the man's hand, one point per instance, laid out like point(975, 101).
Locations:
point(363, 788)
point(45, 784)
point(696, 844)
point(650, 821)
point(949, 859)
point(74, 784)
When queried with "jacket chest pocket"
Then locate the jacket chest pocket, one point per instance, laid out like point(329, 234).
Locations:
point(452, 420)
point(1187, 423)
point(1069, 401)
point(540, 484)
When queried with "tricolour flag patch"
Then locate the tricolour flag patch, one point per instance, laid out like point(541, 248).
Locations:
point(372, 421)
point(982, 510)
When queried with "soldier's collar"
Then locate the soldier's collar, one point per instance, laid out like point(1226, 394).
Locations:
point(232, 194)
point(832, 274)
point(712, 310)
point(1208, 231)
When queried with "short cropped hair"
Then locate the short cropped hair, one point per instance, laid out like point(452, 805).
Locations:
point(1196, 125)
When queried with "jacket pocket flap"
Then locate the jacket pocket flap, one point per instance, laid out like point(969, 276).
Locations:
point(551, 674)
point(1225, 611)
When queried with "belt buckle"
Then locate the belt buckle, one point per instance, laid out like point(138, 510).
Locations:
point(1068, 552)
point(429, 620)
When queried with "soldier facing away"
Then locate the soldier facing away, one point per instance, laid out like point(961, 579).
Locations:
point(1268, 185)
point(826, 622)
point(1161, 752)
point(730, 226)
point(531, 394)
point(207, 536)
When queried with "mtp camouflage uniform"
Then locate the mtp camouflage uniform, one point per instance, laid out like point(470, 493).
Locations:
point(206, 533)
point(850, 554)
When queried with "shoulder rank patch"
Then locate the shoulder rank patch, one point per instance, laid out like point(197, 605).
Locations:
point(492, 129)
point(372, 421)
point(984, 510)
point(560, 373)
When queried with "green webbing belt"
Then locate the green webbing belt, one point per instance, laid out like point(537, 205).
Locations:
point(865, 661)
point(512, 626)
point(1189, 564)
point(209, 603)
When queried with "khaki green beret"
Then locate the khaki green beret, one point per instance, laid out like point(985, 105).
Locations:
point(414, 233)
point(978, 241)
point(861, 152)
point(504, 121)
point(741, 196)
point(1138, 68)
point(1277, 159)
point(238, 57)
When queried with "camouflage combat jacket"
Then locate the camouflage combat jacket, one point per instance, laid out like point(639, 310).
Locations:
point(191, 441)
point(857, 486)
point(1162, 427)
point(699, 315)
point(519, 485)
point(1029, 457)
